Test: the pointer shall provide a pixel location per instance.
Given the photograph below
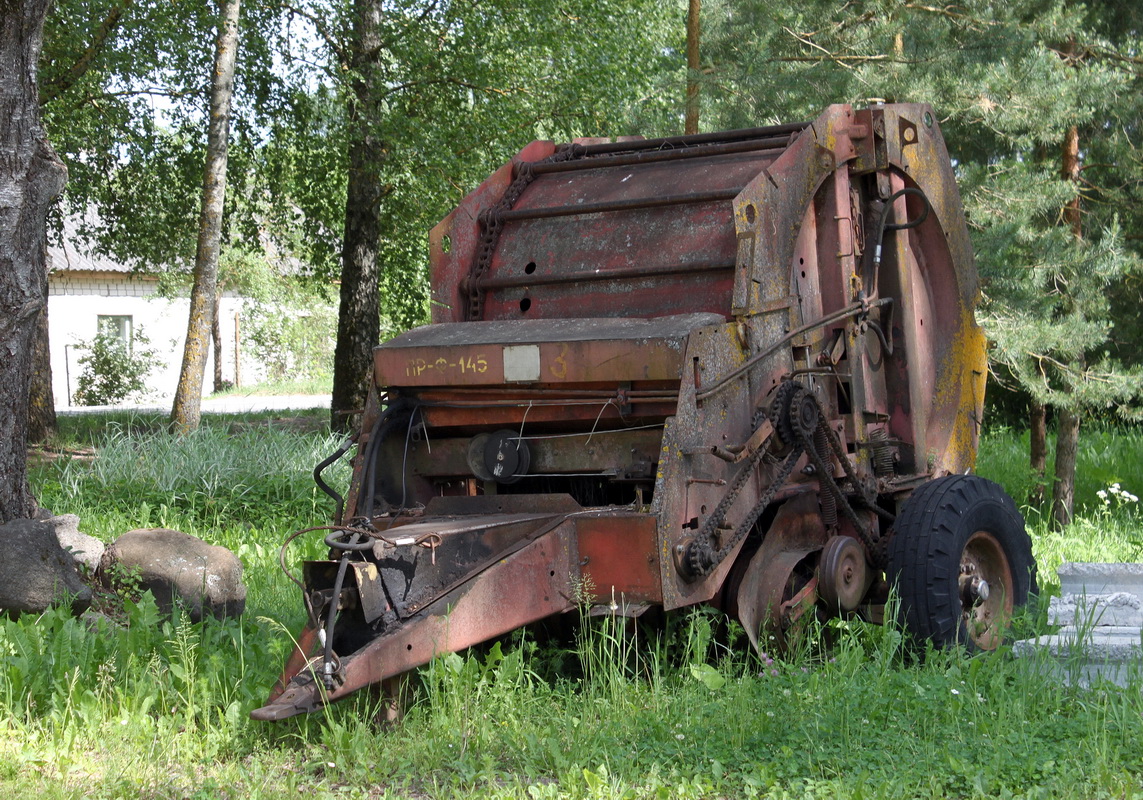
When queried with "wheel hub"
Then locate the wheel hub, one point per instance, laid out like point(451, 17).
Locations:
point(986, 590)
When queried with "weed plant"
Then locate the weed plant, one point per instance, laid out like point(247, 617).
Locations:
point(158, 708)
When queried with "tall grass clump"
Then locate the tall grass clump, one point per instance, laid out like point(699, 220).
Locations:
point(254, 475)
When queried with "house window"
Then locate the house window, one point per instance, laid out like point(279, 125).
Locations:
point(117, 326)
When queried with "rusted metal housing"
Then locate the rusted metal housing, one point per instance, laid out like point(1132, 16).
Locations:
point(659, 372)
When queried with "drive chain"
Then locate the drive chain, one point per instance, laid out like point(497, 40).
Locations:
point(824, 470)
point(790, 415)
point(701, 556)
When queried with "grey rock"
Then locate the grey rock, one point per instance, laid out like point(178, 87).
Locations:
point(87, 550)
point(179, 568)
point(36, 573)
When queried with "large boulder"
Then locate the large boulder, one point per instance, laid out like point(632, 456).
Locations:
point(36, 572)
point(178, 568)
point(87, 550)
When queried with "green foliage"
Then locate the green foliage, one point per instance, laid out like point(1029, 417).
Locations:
point(125, 92)
point(290, 321)
point(462, 87)
point(293, 337)
point(114, 370)
point(1106, 455)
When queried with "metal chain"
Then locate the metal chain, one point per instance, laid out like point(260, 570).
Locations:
point(701, 556)
point(491, 222)
point(825, 478)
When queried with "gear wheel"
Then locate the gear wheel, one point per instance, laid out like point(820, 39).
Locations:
point(804, 413)
point(780, 412)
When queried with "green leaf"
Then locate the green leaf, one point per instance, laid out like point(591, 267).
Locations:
point(708, 676)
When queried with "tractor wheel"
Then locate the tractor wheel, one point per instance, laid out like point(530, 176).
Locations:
point(961, 562)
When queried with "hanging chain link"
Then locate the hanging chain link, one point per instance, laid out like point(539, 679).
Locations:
point(491, 222)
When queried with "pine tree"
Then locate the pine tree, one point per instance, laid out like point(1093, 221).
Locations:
point(1026, 90)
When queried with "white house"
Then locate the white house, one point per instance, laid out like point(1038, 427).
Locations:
point(85, 288)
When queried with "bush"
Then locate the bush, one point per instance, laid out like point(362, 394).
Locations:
point(114, 370)
point(292, 335)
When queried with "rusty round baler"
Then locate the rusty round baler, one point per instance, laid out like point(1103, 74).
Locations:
point(735, 368)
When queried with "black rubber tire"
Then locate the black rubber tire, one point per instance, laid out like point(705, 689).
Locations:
point(955, 520)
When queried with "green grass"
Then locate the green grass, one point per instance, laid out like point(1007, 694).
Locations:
point(320, 385)
point(158, 709)
point(1103, 530)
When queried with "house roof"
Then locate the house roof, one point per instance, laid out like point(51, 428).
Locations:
point(69, 252)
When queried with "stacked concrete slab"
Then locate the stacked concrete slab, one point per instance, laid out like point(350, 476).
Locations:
point(1100, 609)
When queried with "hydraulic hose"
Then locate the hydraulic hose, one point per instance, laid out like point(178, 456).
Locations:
point(884, 227)
point(325, 487)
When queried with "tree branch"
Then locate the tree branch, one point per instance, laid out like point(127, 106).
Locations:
point(948, 11)
point(60, 84)
point(429, 9)
point(331, 41)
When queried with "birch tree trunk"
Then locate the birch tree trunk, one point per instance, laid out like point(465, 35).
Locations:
point(31, 175)
point(186, 412)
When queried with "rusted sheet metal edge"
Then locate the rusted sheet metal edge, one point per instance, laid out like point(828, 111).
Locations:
point(533, 583)
point(559, 330)
point(772, 208)
point(493, 353)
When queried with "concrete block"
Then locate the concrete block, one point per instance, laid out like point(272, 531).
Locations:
point(1120, 609)
point(1101, 611)
point(1093, 579)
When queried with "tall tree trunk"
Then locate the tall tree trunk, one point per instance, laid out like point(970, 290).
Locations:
point(1070, 171)
point(187, 409)
point(41, 401)
point(1067, 443)
point(359, 320)
point(1038, 422)
point(694, 30)
point(31, 175)
point(1068, 420)
point(216, 338)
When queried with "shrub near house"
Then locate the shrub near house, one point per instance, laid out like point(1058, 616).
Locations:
point(114, 368)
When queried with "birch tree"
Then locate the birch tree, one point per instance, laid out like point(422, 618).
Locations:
point(187, 409)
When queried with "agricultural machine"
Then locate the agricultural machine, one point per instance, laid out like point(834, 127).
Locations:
point(735, 368)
